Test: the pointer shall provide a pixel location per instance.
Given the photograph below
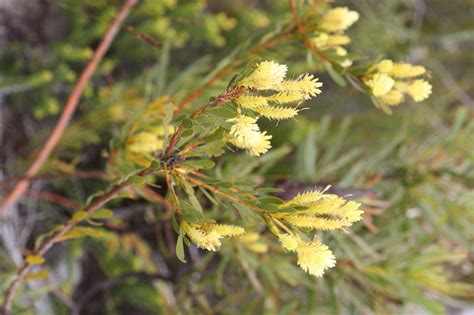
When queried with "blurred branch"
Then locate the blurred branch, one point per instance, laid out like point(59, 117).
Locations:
point(54, 198)
point(80, 174)
point(69, 108)
point(301, 30)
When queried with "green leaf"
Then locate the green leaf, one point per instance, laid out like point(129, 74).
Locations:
point(187, 123)
point(42, 274)
point(136, 180)
point(81, 231)
point(102, 214)
point(270, 200)
point(338, 78)
point(199, 164)
point(180, 249)
point(80, 215)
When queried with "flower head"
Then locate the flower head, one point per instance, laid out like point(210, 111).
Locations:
point(144, 142)
point(207, 235)
point(315, 257)
point(323, 211)
point(289, 242)
point(392, 98)
point(246, 135)
point(306, 86)
point(419, 90)
point(338, 19)
point(385, 66)
point(380, 84)
point(406, 70)
point(267, 75)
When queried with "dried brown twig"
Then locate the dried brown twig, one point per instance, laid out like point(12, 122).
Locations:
point(69, 108)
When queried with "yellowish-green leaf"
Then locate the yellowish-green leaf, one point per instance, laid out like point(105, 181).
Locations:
point(37, 275)
point(80, 215)
point(102, 214)
point(34, 260)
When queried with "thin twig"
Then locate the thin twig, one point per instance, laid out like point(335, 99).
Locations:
point(69, 108)
point(221, 193)
point(51, 176)
point(258, 48)
point(54, 198)
point(307, 42)
point(224, 97)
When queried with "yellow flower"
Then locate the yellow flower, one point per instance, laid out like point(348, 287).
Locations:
point(247, 135)
point(392, 98)
point(285, 97)
point(419, 90)
point(203, 239)
point(385, 66)
point(324, 40)
point(289, 242)
point(249, 237)
point(251, 101)
point(406, 70)
point(258, 247)
point(305, 85)
point(317, 223)
point(267, 75)
point(306, 198)
point(324, 211)
point(228, 230)
point(338, 40)
point(340, 51)
point(338, 19)
point(262, 146)
point(144, 142)
point(207, 235)
point(315, 257)
point(277, 112)
point(380, 84)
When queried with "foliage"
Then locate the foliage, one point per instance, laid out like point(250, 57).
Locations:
point(239, 184)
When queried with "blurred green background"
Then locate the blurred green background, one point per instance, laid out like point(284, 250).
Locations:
point(413, 170)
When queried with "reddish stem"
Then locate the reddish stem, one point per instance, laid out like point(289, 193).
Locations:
point(69, 108)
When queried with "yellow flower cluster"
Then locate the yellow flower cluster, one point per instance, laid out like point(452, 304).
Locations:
point(208, 235)
point(313, 257)
point(321, 211)
point(271, 96)
point(141, 145)
point(148, 141)
point(331, 36)
point(389, 82)
point(246, 134)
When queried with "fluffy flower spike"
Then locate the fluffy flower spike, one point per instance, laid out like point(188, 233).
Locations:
point(208, 235)
point(338, 19)
point(315, 257)
point(324, 211)
point(246, 134)
point(267, 75)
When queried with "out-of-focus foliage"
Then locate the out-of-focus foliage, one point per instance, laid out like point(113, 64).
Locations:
point(411, 170)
